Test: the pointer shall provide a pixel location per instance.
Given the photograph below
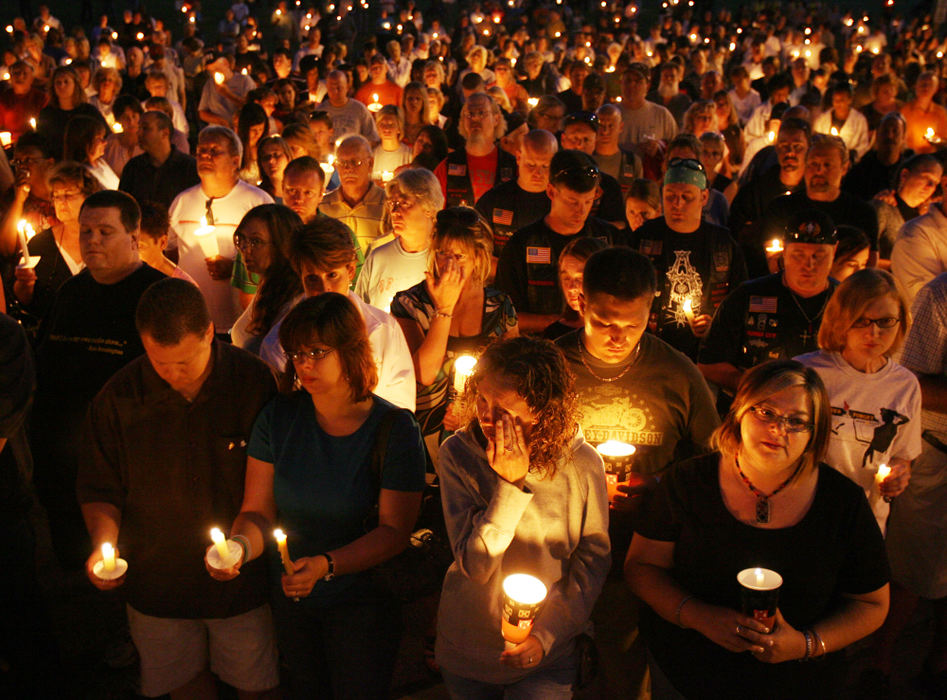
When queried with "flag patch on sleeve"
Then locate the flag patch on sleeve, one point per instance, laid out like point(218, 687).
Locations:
point(541, 256)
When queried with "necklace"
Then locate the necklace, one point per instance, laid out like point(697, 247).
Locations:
point(763, 508)
point(618, 376)
point(809, 331)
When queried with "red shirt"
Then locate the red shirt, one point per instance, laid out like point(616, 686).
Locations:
point(482, 171)
point(16, 110)
point(388, 93)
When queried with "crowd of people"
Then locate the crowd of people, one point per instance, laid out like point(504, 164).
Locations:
point(245, 260)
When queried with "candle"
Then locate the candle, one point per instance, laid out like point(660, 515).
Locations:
point(25, 232)
point(833, 131)
point(243, 71)
point(618, 457)
point(6, 138)
point(219, 78)
point(775, 245)
point(771, 136)
point(387, 175)
point(118, 128)
point(108, 557)
point(688, 308)
point(463, 369)
point(283, 551)
point(220, 543)
point(532, 101)
point(140, 36)
point(930, 136)
point(883, 472)
point(207, 239)
point(33, 123)
point(522, 599)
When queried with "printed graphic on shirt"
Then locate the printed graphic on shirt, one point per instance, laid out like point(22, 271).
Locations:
point(683, 283)
point(613, 413)
point(866, 428)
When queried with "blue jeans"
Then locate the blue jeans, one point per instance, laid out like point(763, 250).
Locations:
point(552, 682)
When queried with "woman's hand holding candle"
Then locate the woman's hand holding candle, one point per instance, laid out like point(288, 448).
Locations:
point(892, 483)
point(725, 627)
point(307, 571)
point(527, 654)
point(784, 643)
point(507, 453)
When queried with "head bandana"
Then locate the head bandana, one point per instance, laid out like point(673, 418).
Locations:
point(684, 175)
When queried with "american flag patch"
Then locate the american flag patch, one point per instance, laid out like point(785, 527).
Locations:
point(458, 169)
point(762, 305)
point(542, 256)
point(504, 217)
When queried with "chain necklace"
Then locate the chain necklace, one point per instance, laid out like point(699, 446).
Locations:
point(618, 376)
point(763, 508)
point(809, 331)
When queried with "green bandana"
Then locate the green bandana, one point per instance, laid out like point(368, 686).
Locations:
point(683, 175)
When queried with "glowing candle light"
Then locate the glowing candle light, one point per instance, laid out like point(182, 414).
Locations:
point(387, 176)
point(523, 596)
point(140, 36)
point(771, 136)
point(114, 36)
point(688, 308)
point(6, 138)
point(532, 101)
point(220, 543)
point(463, 370)
point(884, 471)
point(108, 557)
point(9, 29)
point(283, 551)
point(833, 131)
point(33, 123)
point(109, 567)
point(118, 128)
point(207, 239)
point(775, 246)
point(219, 78)
point(243, 71)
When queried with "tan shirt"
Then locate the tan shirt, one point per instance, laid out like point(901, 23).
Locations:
point(364, 218)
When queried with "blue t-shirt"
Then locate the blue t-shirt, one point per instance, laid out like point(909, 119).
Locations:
point(323, 484)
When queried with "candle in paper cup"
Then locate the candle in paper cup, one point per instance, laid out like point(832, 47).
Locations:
point(883, 472)
point(521, 601)
point(109, 567)
point(6, 138)
point(463, 368)
point(387, 176)
point(759, 594)
point(618, 457)
point(220, 543)
point(25, 233)
point(108, 557)
point(283, 551)
point(207, 239)
point(225, 553)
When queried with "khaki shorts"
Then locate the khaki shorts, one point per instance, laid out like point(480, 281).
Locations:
point(174, 651)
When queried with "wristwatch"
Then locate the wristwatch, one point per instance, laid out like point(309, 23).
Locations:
point(330, 574)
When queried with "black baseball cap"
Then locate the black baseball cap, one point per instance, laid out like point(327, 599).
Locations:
point(811, 226)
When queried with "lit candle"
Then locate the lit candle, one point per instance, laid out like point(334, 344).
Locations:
point(219, 78)
point(771, 136)
point(9, 29)
point(283, 551)
point(523, 596)
point(375, 105)
point(775, 246)
point(883, 472)
point(140, 36)
point(463, 369)
point(118, 128)
point(617, 457)
point(833, 131)
point(243, 71)
point(108, 557)
point(114, 36)
point(532, 101)
point(25, 232)
point(688, 308)
point(387, 175)
point(33, 123)
point(220, 543)
point(6, 138)
point(207, 239)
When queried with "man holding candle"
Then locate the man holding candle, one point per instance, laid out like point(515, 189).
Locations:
point(164, 459)
point(697, 262)
point(88, 335)
point(218, 203)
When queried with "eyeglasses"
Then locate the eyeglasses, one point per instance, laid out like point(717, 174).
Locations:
point(206, 151)
point(348, 164)
point(301, 356)
point(244, 243)
point(885, 323)
point(401, 204)
point(689, 163)
point(792, 424)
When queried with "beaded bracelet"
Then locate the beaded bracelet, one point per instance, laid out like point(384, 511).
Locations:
point(245, 546)
point(808, 635)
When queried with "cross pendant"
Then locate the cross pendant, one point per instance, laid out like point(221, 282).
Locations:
point(806, 336)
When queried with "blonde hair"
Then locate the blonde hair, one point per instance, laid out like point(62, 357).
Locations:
point(467, 227)
point(762, 382)
point(849, 301)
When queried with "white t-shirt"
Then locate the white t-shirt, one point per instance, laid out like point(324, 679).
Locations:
point(389, 269)
point(391, 160)
point(875, 418)
point(389, 348)
point(353, 118)
point(186, 212)
point(649, 121)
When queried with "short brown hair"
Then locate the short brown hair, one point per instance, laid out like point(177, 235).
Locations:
point(171, 309)
point(849, 302)
point(763, 381)
point(332, 320)
point(326, 243)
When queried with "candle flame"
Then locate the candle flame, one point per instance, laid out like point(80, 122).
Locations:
point(118, 128)
point(216, 535)
point(524, 589)
point(883, 472)
point(464, 365)
point(834, 131)
point(107, 550)
point(616, 448)
point(218, 78)
point(279, 535)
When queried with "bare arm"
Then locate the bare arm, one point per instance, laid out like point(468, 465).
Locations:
point(212, 118)
point(723, 374)
point(8, 232)
point(427, 351)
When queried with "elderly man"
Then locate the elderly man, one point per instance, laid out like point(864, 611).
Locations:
point(668, 92)
point(162, 172)
point(920, 251)
point(777, 316)
point(379, 89)
point(348, 116)
point(163, 460)
point(528, 267)
point(467, 173)
point(697, 262)
point(205, 216)
point(20, 101)
point(324, 257)
point(642, 121)
point(88, 335)
point(621, 164)
point(513, 204)
point(224, 92)
point(358, 202)
point(826, 162)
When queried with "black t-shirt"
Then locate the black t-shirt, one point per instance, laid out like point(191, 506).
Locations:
point(611, 205)
point(869, 175)
point(703, 266)
point(763, 320)
point(845, 209)
point(528, 266)
point(147, 183)
point(746, 217)
point(836, 549)
point(508, 208)
point(17, 380)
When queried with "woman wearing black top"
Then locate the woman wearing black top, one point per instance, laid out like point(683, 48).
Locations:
point(67, 99)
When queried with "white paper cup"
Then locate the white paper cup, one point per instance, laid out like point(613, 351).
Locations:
point(121, 566)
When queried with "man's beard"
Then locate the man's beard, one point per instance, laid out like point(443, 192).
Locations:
point(667, 91)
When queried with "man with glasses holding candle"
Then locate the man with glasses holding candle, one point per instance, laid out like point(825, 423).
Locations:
point(205, 216)
point(697, 262)
point(528, 266)
point(467, 173)
point(87, 336)
point(514, 204)
point(164, 461)
point(777, 316)
point(358, 202)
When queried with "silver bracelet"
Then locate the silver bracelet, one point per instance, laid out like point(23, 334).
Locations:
point(680, 606)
